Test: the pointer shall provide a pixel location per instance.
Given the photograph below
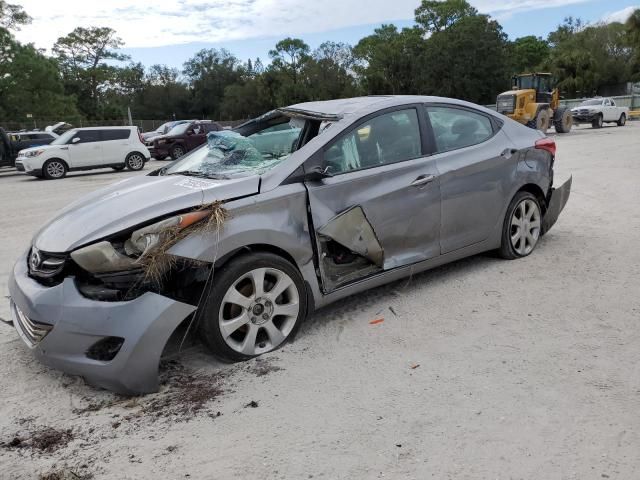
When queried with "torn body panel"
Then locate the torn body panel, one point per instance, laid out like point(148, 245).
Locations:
point(558, 199)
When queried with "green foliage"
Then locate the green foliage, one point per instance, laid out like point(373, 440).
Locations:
point(527, 54)
point(12, 16)
point(435, 16)
point(451, 51)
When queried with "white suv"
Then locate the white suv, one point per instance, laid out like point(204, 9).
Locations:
point(85, 149)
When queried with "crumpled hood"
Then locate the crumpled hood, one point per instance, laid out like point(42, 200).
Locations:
point(131, 202)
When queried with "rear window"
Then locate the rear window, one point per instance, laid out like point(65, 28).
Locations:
point(115, 134)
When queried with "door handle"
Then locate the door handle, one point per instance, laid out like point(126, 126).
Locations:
point(423, 180)
point(509, 152)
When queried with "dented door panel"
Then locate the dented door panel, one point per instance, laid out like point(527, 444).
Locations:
point(405, 218)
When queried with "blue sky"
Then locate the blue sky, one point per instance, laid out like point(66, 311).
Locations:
point(171, 31)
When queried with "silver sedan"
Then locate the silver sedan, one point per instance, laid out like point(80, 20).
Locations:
point(244, 237)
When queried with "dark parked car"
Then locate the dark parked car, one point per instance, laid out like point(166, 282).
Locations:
point(181, 139)
point(12, 143)
point(249, 234)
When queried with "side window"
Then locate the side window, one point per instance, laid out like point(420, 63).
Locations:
point(389, 138)
point(276, 141)
point(108, 135)
point(607, 103)
point(88, 136)
point(613, 103)
point(455, 128)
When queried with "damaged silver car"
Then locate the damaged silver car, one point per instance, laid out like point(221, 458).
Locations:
point(244, 237)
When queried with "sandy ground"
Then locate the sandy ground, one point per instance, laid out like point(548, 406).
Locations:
point(482, 369)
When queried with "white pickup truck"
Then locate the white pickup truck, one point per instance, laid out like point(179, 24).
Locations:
point(598, 111)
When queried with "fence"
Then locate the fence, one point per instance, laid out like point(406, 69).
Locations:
point(144, 125)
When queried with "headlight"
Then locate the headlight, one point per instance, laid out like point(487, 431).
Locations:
point(33, 153)
point(161, 142)
point(102, 257)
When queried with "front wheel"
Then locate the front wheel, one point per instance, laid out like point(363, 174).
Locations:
point(134, 161)
point(622, 121)
point(522, 227)
point(54, 169)
point(597, 122)
point(176, 152)
point(255, 305)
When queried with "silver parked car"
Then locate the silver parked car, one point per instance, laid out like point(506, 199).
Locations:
point(248, 234)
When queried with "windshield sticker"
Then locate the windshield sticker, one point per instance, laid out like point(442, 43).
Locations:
point(195, 183)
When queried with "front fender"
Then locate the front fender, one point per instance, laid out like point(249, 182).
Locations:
point(277, 218)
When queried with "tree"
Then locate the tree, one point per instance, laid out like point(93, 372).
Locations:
point(209, 72)
point(12, 16)
point(435, 16)
point(468, 60)
point(389, 61)
point(527, 54)
point(290, 56)
point(82, 56)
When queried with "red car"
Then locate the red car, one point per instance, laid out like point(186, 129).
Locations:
point(181, 139)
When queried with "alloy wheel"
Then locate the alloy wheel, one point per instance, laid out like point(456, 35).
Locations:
point(136, 162)
point(55, 169)
point(525, 227)
point(259, 311)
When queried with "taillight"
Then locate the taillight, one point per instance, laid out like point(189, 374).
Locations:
point(547, 144)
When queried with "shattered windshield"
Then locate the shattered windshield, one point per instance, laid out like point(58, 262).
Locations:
point(228, 154)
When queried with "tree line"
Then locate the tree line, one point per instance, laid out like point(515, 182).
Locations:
point(452, 50)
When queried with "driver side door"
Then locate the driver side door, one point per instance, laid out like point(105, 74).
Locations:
point(87, 151)
point(380, 208)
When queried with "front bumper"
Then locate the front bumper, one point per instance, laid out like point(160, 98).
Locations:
point(73, 324)
point(583, 118)
point(19, 166)
point(159, 152)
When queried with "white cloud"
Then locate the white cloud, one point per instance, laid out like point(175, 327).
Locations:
point(143, 23)
point(621, 15)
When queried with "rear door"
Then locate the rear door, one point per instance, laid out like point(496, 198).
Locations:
point(475, 163)
point(380, 209)
point(87, 151)
point(116, 145)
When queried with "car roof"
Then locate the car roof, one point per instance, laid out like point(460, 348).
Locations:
point(363, 105)
point(104, 128)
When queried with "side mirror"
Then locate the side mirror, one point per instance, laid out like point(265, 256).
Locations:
point(75, 140)
point(317, 173)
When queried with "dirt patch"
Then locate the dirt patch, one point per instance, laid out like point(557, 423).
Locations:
point(261, 367)
point(42, 439)
point(65, 474)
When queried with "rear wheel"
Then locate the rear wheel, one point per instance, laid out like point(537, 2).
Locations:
point(134, 161)
point(597, 122)
point(562, 120)
point(54, 169)
point(255, 305)
point(622, 121)
point(522, 226)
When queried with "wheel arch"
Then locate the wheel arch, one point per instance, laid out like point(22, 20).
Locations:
point(66, 164)
point(535, 190)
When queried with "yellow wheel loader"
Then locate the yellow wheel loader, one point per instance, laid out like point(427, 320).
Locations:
point(534, 102)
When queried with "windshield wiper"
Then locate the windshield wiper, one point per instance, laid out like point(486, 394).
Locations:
point(199, 174)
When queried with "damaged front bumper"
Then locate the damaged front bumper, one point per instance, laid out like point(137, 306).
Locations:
point(66, 330)
point(557, 200)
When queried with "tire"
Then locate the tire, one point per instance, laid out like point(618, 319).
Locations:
point(235, 332)
point(134, 161)
point(562, 120)
point(522, 246)
point(119, 168)
point(622, 121)
point(54, 169)
point(176, 152)
point(597, 122)
point(541, 121)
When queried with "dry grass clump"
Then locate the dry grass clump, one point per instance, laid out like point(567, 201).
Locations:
point(158, 262)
